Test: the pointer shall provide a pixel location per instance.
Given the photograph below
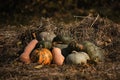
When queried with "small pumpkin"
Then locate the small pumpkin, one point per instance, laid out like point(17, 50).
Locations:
point(42, 56)
point(77, 58)
point(47, 36)
point(96, 53)
point(58, 58)
point(45, 44)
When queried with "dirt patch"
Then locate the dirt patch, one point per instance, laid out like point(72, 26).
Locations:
point(101, 31)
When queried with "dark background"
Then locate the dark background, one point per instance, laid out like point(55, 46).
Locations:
point(21, 11)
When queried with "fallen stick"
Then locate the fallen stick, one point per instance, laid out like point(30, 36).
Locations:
point(95, 20)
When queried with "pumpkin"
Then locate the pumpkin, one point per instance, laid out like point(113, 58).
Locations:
point(47, 36)
point(45, 44)
point(42, 56)
point(96, 53)
point(58, 58)
point(77, 58)
point(25, 56)
point(62, 39)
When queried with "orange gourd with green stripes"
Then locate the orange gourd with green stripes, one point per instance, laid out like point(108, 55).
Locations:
point(42, 56)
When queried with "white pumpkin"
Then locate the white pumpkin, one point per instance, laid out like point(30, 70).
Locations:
point(77, 58)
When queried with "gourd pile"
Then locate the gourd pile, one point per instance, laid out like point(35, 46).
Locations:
point(48, 48)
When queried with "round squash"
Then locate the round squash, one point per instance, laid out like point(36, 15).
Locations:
point(77, 58)
point(42, 56)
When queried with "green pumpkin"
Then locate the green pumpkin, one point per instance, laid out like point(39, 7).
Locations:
point(96, 53)
point(44, 44)
point(62, 39)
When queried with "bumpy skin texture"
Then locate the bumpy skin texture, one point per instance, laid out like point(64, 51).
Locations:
point(58, 58)
point(77, 58)
point(42, 56)
point(25, 56)
point(96, 54)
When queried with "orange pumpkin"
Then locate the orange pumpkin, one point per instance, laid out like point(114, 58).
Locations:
point(42, 56)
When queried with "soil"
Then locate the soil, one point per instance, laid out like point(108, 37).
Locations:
point(101, 31)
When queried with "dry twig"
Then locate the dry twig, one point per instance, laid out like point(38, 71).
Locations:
point(95, 20)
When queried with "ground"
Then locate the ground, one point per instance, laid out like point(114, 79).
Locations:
point(99, 30)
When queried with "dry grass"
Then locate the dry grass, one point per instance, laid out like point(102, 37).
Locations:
point(101, 31)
